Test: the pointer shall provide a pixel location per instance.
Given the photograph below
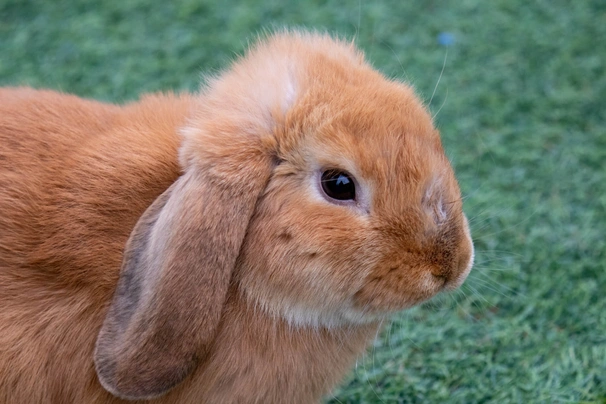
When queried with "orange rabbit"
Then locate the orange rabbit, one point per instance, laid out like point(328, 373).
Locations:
point(264, 229)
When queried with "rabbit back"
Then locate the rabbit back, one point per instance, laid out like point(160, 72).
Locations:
point(75, 175)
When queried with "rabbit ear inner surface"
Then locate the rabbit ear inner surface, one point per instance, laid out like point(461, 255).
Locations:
point(174, 280)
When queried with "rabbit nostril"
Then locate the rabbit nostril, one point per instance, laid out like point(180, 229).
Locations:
point(440, 275)
point(441, 279)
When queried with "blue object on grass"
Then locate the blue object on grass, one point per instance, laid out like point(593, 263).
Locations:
point(446, 38)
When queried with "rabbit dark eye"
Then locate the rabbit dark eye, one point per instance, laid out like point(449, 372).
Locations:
point(338, 185)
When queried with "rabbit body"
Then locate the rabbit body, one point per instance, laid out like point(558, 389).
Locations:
point(240, 281)
point(76, 176)
point(71, 190)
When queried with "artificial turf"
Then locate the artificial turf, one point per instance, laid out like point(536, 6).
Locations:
point(522, 110)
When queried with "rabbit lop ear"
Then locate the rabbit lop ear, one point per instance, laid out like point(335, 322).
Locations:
point(180, 256)
point(175, 275)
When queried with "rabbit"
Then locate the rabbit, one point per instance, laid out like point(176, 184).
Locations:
point(240, 245)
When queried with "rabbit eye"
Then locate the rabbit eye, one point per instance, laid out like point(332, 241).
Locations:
point(338, 185)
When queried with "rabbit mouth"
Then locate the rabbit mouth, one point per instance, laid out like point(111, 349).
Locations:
point(389, 294)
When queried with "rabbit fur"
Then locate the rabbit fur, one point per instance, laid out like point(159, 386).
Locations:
point(180, 248)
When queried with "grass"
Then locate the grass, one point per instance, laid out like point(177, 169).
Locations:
point(522, 109)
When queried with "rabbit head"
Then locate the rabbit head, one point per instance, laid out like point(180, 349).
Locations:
point(312, 183)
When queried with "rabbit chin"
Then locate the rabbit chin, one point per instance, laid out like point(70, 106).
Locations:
point(299, 314)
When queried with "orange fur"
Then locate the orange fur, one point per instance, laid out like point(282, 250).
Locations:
point(241, 282)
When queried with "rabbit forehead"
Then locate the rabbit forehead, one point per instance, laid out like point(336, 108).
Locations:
point(358, 113)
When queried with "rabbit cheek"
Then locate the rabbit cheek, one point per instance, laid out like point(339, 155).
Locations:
point(302, 264)
point(301, 285)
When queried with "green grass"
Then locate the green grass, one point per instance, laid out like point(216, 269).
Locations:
point(522, 110)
